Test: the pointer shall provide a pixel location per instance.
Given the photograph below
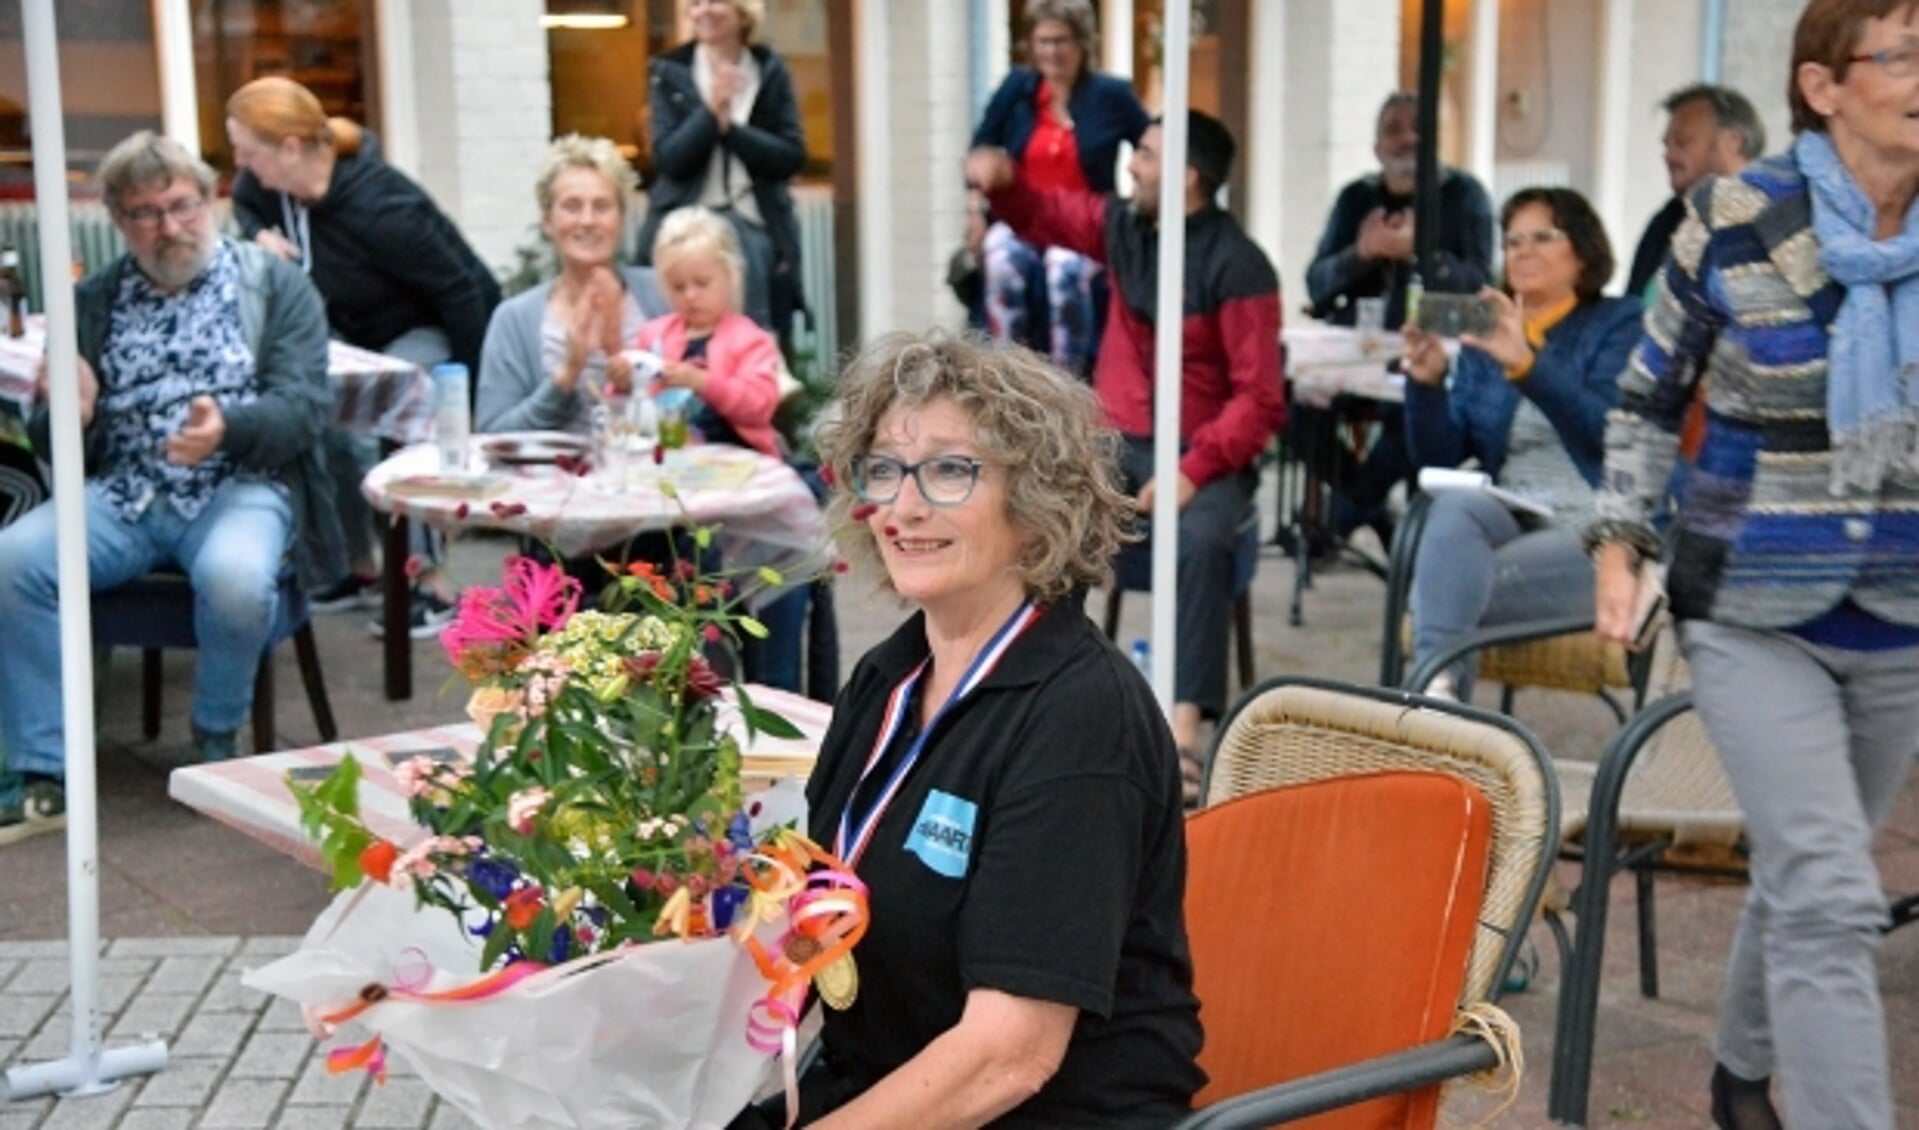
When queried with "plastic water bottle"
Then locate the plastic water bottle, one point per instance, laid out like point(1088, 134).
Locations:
point(1142, 653)
point(453, 415)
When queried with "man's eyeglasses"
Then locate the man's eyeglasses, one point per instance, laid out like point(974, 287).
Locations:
point(1520, 240)
point(182, 211)
point(944, 480)
point(1898, 62)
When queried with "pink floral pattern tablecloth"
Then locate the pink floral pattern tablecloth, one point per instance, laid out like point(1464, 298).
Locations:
point(250, 794)
point(372, 393)
point(1324, 362)
point(765, 513)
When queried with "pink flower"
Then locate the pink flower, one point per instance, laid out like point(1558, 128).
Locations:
point(414, 863)
point(523, 806)
point(532, 598)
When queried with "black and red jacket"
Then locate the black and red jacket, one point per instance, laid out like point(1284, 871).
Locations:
point(1231, 396)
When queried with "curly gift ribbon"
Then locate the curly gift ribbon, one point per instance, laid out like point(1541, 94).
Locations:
point(827, 908)
point(372, 1054)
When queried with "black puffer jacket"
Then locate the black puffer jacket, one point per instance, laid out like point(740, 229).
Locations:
point(770, 145)
point(385, 258)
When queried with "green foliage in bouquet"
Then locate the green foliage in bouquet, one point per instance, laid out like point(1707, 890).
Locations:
point(603, 807)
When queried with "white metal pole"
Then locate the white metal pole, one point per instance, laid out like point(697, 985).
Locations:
point(1167, 326)
point(179, 99)
point(88, 1069)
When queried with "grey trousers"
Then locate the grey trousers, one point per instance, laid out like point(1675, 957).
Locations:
point(1478, 566)
point(1816, 742)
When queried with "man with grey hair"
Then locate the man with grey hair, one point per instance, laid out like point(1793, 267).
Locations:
point(1711, 131)
point(202, 387)
point(1367, 251)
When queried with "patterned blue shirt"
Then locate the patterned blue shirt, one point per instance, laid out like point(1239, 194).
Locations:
point(162, 350)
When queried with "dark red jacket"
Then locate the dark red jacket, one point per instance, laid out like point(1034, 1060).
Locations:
point(1231, 397)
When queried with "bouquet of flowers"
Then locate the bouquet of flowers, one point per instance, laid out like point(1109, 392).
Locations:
point(504, 951)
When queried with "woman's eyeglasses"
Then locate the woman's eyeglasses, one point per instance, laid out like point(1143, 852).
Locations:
point(1520, 240)
point(944, 480)
point(1898, 62)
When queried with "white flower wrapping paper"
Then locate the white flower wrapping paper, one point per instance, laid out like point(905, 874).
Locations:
point(653, 1036)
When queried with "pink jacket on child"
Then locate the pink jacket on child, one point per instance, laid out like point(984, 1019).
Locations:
point(742, 373)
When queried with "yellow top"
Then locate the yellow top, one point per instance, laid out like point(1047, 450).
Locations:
point(1536, 327)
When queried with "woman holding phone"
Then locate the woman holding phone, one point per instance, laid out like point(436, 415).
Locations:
point(1527, 400)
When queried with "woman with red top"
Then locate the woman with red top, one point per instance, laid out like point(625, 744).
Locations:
point(1063, 122)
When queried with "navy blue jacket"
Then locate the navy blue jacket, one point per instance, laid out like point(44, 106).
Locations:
point(1337, 277)
point(1574, 381)
point(1105, 112)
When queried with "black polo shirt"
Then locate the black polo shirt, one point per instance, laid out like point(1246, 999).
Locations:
point(1038, 848)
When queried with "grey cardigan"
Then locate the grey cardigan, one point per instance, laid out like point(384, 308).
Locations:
point(275, 436)
point(515, 393)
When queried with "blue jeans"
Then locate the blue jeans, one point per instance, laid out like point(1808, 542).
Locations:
point(231, 554)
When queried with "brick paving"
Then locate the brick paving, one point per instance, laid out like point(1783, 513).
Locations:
point(187, 905)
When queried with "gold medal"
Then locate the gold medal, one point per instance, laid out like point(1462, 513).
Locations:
point(839, 983)
point(801, 949)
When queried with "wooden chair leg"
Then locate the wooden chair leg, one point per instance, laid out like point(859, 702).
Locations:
point(150, 693)
point(1243, 638)
point(1112, 613)
point(263, 705)
point(315, 682)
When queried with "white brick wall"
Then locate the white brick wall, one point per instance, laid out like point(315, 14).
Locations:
point(1338, 71)
point(1665, 57)
point(917, 165)
point(1757, 56)
point(479, 75)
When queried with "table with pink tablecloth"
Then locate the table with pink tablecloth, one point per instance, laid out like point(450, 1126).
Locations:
point(250, 794)
point(372, 393)
point(1326, 362)
point(764, 511)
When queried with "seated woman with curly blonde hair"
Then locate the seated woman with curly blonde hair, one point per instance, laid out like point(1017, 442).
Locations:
point(997, 773)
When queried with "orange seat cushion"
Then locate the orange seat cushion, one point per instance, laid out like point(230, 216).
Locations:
point(1331, 923)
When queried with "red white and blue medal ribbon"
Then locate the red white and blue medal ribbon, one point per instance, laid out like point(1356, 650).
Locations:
point(852, 840)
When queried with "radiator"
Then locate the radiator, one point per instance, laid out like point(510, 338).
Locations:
point(96, 242)
point(820, 336)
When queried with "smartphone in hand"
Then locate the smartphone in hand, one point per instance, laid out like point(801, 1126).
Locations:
point(1450, 315)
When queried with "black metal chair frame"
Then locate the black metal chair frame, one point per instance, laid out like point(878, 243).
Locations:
point(177, 632)
point(1606, 855)
point(1414, 1068)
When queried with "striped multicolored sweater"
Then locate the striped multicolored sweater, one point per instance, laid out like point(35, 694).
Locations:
point(1757, 540)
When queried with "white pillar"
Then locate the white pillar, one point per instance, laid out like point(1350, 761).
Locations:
point(1612, 139)
point(1266, 123)
point(399, 125)
point(997, 44)
point(1116, 37)
point(1482, 103)
point(874, 127)
point(179, 94)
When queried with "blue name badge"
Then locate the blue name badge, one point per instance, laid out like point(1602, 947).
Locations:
point(942, 834)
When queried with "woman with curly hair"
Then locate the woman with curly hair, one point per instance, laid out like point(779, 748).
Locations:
point(997, 773)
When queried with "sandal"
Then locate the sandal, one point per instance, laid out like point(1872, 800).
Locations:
point(1192, 769)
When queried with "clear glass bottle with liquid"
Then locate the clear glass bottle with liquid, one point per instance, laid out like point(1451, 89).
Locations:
point(13, 293)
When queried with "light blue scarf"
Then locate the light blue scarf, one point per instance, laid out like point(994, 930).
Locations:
point(1872, 388)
